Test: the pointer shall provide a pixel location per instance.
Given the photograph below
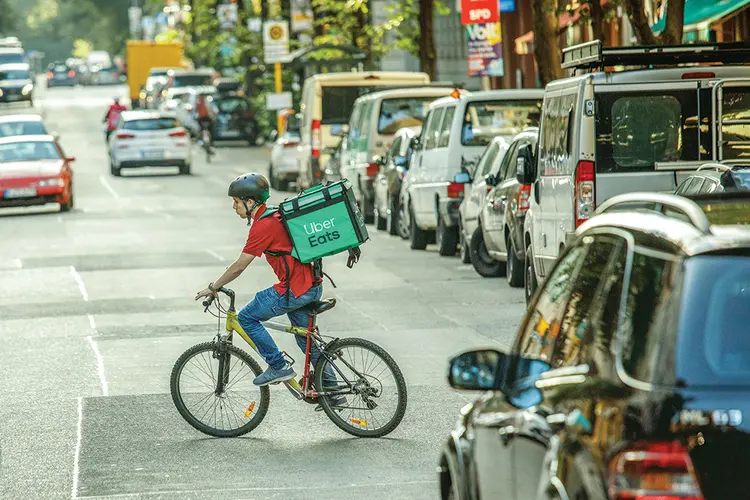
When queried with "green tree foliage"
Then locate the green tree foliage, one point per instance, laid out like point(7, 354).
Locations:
point(8, 19)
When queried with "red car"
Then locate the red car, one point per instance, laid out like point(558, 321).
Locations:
point(34, 171)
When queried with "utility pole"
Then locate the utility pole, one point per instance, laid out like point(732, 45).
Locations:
point(274, 11)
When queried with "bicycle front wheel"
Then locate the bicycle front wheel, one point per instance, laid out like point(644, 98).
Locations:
point(374, 386)
point(232, 408)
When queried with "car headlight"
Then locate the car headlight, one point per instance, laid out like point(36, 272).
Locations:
point(26, 90)
point(56, 182)
point(1, 92)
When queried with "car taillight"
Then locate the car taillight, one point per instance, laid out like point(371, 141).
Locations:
point(50, 75)
point(372, 169)
point(455, 189)
point(653, 471)
point(123, 135)
point(291, 144)
point(522, 199)
point(401, 174)
point(585, 192)
point(71, 73)
point(315, 138)
point(180, 133)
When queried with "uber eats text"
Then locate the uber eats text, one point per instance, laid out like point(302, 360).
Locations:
point(315, 228)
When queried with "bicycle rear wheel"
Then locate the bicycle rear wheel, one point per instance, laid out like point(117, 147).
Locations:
point(377, 399)
point(240, 406)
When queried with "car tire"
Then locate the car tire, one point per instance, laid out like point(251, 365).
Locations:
point(463, 247)
point(271, 179)
point(404, 228)
point(529, 279)
point(380, 222)
point(446, 238)
point(114, 170)
point(392, 218)
point(484, 264)
point(417, 236)
point(367, 208)
point(68, 205)
point(514, 267)
point(185, 169)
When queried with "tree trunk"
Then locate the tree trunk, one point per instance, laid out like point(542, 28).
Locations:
point(546, 49)
point(597, 21)
point(427, 54)
point(639, 22)
point(672, 34)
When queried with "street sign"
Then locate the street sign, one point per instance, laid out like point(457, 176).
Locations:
point(282, 100)
point(485, 49)
point(227, 13)
point(507, 5)
point(275, 41)
point(255, 24)
point(480, 11)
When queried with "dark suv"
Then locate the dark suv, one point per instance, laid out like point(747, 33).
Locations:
point(630, 374)
point(716, 178)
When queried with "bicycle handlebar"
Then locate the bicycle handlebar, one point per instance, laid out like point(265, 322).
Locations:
point(210, 299)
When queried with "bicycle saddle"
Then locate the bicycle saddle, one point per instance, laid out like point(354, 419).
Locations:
point(319, 306)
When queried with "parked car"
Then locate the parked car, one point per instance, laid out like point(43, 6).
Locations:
point(477, 183)
point(604, 133)
point(16, 84)
point(375, 118)
point(13, 55)
point(332, 167)
point(326, 106)
point(285, 155)
point(628, 375)
point(61, 75)
point(25, 124)
point(393, 168)
point(716, 178)
point(456, 132)
point(502, 216)
point(149, 139)
point(35, 171)
point(235, 120)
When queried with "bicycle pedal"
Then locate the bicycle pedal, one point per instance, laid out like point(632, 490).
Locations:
point(288, 358)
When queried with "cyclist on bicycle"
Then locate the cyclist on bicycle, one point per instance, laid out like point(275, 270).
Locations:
point(268, 236)
point(205, 114)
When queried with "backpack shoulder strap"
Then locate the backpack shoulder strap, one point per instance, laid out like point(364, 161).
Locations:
point(270, 210)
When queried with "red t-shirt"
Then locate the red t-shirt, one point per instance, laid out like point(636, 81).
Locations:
point(269, 234)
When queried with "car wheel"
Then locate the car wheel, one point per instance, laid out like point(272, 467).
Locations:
point(368, 210)
point(447, 239)
point(463, 247)
point(484, 264)
point(185, 169)
point(404, 227)
point(530, 282)
point(514, 268)
point(380, 222)
point(114, 170)
point(392, 221)
point(417, 235)
point(68, 205)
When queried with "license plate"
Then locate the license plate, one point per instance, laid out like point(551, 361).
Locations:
point(152, 154)
point(59, 77)
point(229, 133)
point(14, 97)
point(29, 192)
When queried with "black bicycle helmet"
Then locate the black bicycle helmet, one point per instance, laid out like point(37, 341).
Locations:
point(250, 185)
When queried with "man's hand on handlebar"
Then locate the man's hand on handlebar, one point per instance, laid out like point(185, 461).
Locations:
point(206, 292)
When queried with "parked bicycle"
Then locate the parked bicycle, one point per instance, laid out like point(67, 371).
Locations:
point(364, 392)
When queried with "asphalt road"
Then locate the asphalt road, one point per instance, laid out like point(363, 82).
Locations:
point(96, 306)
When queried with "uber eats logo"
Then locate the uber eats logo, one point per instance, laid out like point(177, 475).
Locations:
point(317, 237)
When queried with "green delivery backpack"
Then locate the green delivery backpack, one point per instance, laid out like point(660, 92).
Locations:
point(321, 221)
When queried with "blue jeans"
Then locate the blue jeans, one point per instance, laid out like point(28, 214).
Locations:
point(268, 304)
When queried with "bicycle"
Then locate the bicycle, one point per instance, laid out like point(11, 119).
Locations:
point(206, 144)
point(363, 388)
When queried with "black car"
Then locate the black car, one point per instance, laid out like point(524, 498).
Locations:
point(630, 373)
point(235, 120)
point(387, 185)
point(60, 74)
point(16, 84)
point(716, 178)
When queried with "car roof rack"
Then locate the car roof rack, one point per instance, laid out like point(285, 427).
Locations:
point(667, 201)
point(591, 55)
point(718, 167)
point(412, 85)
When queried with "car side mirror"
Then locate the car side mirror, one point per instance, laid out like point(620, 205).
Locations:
point(414, 143)
point(339, 130)
point(462, 178)
point(400, 161)
point(70, 158)
point(491, 180)
point(477, 370)
point(524, 170)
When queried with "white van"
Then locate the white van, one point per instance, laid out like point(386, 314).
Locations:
point(607, 133)
point(325, 107)
point(456, 131)
point(373, 124)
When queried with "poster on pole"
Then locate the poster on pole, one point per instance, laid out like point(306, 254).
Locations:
point(485, 49)
point(275, 41)
point(227, 14)
point(480, 11)
point(302, 16)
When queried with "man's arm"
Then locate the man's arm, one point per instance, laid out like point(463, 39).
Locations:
point(234, 270)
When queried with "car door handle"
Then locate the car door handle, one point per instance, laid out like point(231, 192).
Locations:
point(506, 433)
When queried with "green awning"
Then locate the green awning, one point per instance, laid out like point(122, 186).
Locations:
point(704, 11)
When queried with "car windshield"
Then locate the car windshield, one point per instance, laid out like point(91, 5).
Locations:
point(713, 346)
point(192, 80)
point(60, 69)
point(231, 105)
point(402, 112)
point(485, 120)
point(21, 128)
point(337, 103)
point(11, 58)
point(151, 124)
point(14, 74)
point(28, 151)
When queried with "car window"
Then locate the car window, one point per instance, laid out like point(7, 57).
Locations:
point(684, 185)
point(738, 179)
point(484, 120)
point(229, 106)
point(695, 186)
point(11, 58)
point(430, 137)
point(402, 112)
point(337, 102)
point(445, 129)
point(548, 144)
point(14, 74)
point(709, 186)
point(151, 124)
point(575, 330)
point(543, 321)
point(192, 80)
point(395, 147)
point(485, 162)
point(366, 125)
point(510, 159)
point(355, 121)
point(28, 151)
point(735, 111)
point(21, 128)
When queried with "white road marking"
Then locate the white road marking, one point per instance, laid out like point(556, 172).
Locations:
point(91, 322)
point(77, 454)
point(103, 181)
point(161, 493)
point(19, 264)
point(99, 365)
point(214, 254)
point(156, 212)
point(81, 286)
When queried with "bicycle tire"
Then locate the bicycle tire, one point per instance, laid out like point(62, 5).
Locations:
point(265, 393)
point(336, 416)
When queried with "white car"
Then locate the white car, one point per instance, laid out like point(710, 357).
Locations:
point(286, 156)
point(175, 97)
point(149, 139)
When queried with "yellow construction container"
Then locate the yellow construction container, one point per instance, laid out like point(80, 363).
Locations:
point(143, 55)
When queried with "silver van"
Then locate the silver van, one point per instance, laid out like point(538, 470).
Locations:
point(605, 133)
